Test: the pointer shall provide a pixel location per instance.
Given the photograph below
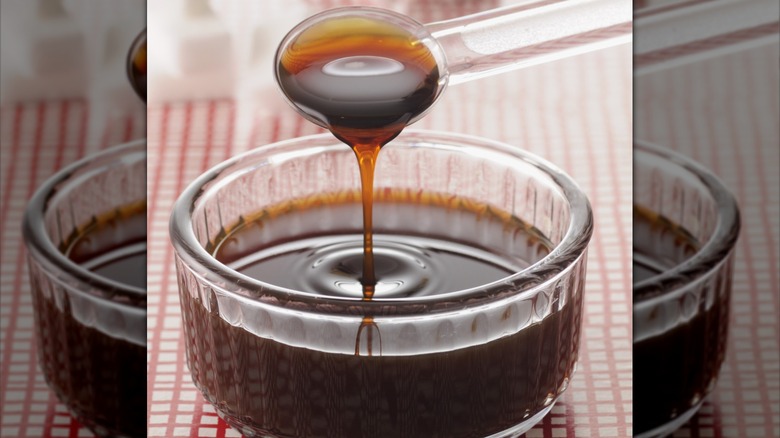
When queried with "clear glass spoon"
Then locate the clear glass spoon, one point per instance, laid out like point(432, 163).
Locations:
point(475, 46)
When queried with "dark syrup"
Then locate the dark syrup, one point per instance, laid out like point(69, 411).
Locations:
point(281, 390)
point(136, 66)
point(673, 371)
point(102, 377)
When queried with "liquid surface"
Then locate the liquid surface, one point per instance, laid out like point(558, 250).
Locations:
point(676, 369)
point(113, 246)
point(364, 80)
point(324, 255)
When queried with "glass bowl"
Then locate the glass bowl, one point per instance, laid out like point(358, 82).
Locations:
point(91, 324)
point(489, 360)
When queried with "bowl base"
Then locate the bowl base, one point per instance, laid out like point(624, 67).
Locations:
point(513, 432)
point(668, 428)
point(525, 426)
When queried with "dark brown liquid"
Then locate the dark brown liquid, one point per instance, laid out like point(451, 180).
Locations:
point(136, 69)
point(281, 390)
point(102, 378)
point(284, 391)
point(365, 80)
point(675, 369)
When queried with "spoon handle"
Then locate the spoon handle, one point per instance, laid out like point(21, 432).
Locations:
point(529, 33)
point(671, 34)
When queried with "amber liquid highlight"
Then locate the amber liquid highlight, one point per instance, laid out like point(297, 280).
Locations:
point(364, 80)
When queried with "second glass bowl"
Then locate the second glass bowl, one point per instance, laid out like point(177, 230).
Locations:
point(85, 232)
point(686, 225)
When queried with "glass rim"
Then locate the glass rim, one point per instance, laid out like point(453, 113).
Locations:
point(713, 252)
point(44, 251)
point(560, 260)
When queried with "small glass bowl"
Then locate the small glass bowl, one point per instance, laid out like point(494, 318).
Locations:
point(485, 361)
point(90, 329)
